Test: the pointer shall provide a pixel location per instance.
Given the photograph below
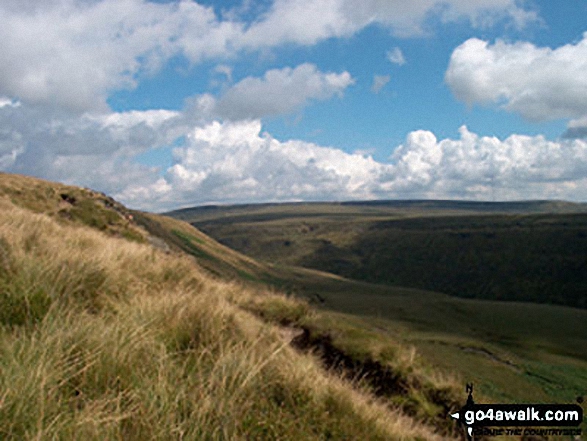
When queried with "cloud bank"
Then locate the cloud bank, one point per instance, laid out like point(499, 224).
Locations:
point(307, 22)
point(236, 162)
point(229, 162)
point(73, 53)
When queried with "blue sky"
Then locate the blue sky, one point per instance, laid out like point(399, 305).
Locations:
point(176, 103)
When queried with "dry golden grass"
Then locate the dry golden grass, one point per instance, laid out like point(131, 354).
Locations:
point(102, 338)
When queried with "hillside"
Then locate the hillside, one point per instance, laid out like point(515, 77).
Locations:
point(513, 351)
point(110, 331)
point(522, 251)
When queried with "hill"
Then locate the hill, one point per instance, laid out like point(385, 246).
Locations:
point(520, 251)
point(513, 351)
point(117, 324)
point(108, 331)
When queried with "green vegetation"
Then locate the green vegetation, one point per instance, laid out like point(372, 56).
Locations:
point(105, 338)
point(188, 242)
point(512, 351)
point(69, 204)
point(390, 369)
point(171, 335)
point(489, 252)
point(504, 347)
point(536, 258)
point(175, 236)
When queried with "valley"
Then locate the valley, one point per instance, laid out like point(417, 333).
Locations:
point(478, 288)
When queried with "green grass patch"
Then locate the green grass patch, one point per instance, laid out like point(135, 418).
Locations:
point(187, 242)
point(247, 276)
point(92, 215)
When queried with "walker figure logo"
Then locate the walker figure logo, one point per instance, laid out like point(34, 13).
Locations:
point(515, 415)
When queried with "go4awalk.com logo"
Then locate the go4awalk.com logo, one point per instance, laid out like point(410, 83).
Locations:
point(519, 419)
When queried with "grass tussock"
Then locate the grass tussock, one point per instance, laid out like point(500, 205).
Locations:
point(105, 338)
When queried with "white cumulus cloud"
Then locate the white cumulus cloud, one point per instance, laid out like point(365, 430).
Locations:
point(237, 162)
point(308, 21)
point(233, 162)
point(93, 150)
point(476, 167)
point(278, 92)
point(73, 53)
point(539, 83)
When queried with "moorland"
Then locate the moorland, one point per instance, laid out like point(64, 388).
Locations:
point(493, 291)
point(120, 324)
point(110, 330)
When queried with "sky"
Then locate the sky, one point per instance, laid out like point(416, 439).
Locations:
point(175, 103)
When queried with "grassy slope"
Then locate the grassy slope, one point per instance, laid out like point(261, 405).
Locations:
point(219, 260)
point(512, 351)
point(102, 337)
point(70, 205)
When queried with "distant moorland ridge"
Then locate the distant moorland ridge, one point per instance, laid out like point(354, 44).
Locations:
point(532, 251)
